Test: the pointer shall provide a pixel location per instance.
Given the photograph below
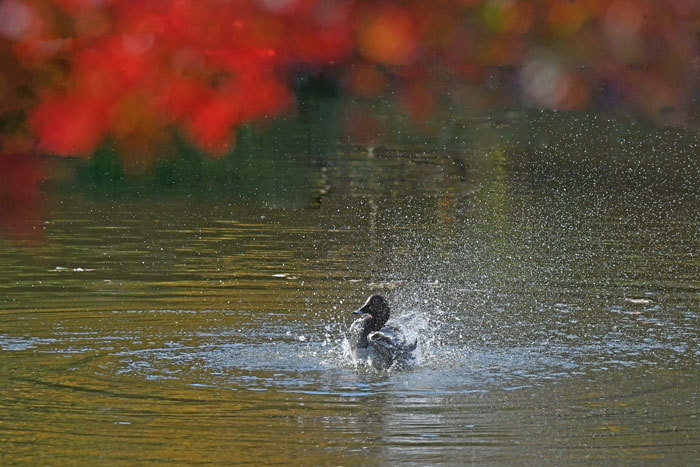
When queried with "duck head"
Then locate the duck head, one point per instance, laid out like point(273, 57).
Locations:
point(377, 309)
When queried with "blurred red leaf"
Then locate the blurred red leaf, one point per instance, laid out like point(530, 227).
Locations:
point(70, 125)
point(211, 66)
point(388, 36)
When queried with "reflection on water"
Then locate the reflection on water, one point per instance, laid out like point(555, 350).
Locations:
point(557, 303)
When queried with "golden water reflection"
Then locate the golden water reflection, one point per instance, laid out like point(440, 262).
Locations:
point(562, 322)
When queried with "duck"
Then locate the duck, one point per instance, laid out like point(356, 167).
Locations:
point(372, 341)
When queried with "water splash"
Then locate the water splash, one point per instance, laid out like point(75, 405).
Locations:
point(409, 325)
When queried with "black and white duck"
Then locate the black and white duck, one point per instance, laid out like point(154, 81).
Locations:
point(373, 341)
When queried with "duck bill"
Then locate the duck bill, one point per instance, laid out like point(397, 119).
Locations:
point(361, 311)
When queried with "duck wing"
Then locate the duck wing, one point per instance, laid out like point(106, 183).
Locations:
point(391, 344)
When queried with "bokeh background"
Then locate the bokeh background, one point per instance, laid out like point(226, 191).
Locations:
point(151, 79)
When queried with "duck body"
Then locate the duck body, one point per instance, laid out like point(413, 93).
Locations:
point(374, 342)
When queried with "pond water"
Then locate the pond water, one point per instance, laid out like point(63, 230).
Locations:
point(554, 279)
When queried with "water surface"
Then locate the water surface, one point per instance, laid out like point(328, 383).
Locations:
point(554, 282)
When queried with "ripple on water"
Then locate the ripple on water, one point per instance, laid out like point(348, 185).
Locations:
point(241, 350)
point(280, 361)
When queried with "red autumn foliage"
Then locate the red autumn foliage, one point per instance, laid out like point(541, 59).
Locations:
point(126, 69)
point(206, 66)
point(70, 125)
